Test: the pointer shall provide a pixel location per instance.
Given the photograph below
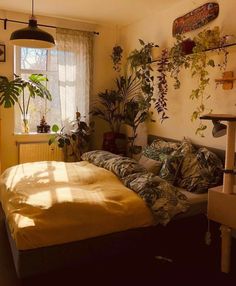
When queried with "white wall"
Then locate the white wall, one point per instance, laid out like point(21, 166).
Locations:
point(158, 28)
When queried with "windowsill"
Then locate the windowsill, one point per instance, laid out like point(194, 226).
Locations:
point(33, 134)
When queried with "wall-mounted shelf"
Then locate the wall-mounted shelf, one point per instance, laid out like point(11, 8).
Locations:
point(227, 80)
point(207, 50)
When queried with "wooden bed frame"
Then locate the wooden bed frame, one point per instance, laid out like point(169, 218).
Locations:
point(153, 240)
point(45, 259)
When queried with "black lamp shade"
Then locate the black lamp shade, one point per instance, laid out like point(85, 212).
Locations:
point(219, 129)
point(32, 37)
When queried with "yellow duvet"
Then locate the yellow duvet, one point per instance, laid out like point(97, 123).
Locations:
point(48, 203)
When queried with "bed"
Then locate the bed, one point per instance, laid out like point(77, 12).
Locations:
point(60, 214)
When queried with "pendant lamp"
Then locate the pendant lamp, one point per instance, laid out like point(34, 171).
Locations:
point(32, 36)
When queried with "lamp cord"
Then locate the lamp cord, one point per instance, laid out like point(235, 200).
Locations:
point(32, 8)
point(208, 234)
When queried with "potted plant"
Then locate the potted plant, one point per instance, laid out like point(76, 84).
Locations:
point(109, 107)
point(20, 91)
point(116, 57)
point(74, 140)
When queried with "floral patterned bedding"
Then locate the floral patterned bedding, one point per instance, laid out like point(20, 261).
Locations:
point(164, 199)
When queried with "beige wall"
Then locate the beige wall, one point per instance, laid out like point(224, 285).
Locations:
point(102, 77)
point(158, 28)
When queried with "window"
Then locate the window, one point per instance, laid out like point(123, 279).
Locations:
point(68, 68)
point(39, 61)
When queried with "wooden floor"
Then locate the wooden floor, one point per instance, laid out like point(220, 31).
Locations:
point(188, 263)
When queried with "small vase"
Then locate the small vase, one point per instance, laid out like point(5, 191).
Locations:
point(25, 124)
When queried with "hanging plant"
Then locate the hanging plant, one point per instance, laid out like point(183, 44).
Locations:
point(140, 62)
point(179, 57)
point(116, 57)
point(188, 53)
point(205, 40)
point(162, 68)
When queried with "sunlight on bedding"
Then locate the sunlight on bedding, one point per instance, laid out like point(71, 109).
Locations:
point(23, 221)
point(64, 195)
point(41, 199)
point(48, 203)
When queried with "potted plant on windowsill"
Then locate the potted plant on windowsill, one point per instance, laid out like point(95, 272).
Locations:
point(20, 91)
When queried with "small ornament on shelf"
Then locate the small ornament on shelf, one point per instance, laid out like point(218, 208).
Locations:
point(43, 127)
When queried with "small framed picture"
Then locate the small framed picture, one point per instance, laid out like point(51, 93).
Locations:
point(2, 53)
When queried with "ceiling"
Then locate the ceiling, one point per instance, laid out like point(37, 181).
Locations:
point(120, 12)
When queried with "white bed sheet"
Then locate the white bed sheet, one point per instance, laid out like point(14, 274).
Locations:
point(197, 202)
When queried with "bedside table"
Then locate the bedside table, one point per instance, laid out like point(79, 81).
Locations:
point(222, 209)
point(222, 200)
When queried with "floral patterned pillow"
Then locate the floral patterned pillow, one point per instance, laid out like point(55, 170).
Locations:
point(200, 170)
point(168, 156)
point(170, 167)
point(158, 148)
point(98, 157)
point(164, 200)
point(119, 165)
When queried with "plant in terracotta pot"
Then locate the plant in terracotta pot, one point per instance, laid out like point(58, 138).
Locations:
point(109, 107)
point(20, 91)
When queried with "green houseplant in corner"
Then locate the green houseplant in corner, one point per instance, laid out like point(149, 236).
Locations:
point(109, 107)
point(129, 103)
point(20, 91)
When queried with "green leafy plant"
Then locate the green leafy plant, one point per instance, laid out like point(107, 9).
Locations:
point(190, 54)
point(73, 140)
point(162, 68)
point(108, 107)
point(20, 91)
point(140, 62)
point(200, 61)
point(136, 112)
point(130, 101)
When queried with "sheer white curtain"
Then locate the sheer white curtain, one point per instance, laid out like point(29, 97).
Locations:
point(74, 60)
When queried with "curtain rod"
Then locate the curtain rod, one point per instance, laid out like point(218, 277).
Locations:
point(5, 20)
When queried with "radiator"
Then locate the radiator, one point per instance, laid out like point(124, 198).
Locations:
point(38, 151)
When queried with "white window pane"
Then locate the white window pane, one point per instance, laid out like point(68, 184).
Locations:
point(33, 59)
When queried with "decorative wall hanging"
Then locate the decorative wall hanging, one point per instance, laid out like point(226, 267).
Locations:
point(2, 53)
point(196, 18)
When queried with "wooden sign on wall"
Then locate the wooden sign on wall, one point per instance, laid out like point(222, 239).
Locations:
point(196, 18)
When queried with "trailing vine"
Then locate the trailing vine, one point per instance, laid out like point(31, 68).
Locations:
point(188, 53)
point(178, 58)
point(205, 40)
point(162, 68)
point(140, 62)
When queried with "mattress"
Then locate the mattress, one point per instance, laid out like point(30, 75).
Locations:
point(50, 203)
point(44, 259)
point(34, 260)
